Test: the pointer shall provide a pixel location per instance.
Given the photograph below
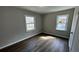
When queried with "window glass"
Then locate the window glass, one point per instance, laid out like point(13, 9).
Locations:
point(61, 23)
point(30, 23)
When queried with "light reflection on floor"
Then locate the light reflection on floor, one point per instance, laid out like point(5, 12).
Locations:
point(47, 37)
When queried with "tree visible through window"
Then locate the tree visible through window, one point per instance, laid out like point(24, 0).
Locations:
point(62, 22)
point(30, 24)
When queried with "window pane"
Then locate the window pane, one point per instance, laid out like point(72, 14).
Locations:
point(30, 27)
point(29, 19)
point(62, 22)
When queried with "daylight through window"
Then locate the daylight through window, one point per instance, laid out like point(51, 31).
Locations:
point(61, 23)
point(29, 23)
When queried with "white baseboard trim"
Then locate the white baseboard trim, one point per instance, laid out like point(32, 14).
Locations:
point(18, 41)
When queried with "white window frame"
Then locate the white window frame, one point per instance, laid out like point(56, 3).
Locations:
point(29, 23)
point(66, 21)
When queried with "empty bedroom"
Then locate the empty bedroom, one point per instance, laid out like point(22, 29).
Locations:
point(39, 28)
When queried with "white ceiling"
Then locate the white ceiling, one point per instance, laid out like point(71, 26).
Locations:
point(45, 9)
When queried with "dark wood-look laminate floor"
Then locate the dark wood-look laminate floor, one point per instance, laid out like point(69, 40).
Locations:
point(39, 43)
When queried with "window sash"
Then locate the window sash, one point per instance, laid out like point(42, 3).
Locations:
point(30, 19)
point(30, 27)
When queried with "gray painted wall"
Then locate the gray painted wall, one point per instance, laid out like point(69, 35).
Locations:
point(50, 23)
point(13, 25)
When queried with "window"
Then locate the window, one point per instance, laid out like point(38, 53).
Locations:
point(30, 24)
point(61, 23)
